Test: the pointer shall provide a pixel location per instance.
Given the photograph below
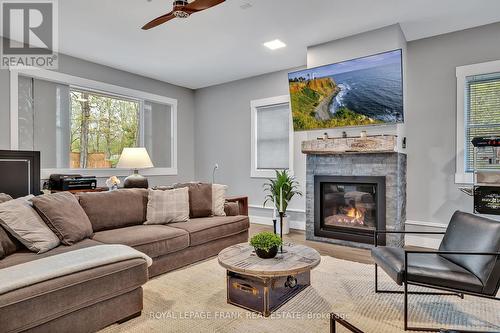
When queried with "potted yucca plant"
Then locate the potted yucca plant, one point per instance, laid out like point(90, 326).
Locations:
point(281, 190)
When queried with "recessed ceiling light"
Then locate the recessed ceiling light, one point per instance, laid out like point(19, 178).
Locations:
point(275, 44)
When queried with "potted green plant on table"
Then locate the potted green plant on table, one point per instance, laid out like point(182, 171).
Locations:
point(266, 244)
point(280, 192)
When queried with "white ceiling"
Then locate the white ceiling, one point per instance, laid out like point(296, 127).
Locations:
point(225, 43)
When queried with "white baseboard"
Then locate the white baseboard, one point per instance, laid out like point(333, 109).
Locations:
point(299, 225)
point(427, 241)
point(421, 241)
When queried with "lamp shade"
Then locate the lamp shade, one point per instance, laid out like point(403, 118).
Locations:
point(134, 158)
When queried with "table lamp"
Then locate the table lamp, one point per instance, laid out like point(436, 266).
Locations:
point(135, 159)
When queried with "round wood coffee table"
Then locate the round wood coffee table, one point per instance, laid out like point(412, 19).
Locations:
point(263, 285)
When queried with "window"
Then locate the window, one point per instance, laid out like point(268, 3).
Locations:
point(271, 136)
point(482, 114)
point(81, 126)
point(478, 113)
point(100, 127)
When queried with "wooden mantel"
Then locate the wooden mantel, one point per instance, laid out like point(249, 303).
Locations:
point(369, 144)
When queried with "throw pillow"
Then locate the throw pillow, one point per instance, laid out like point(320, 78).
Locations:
point(165, 206)
point(64, 215)
point(8, 243)
point(20, 219)
point(218, 199)
point(4, 197)
point(232, 208)
point(200, 199)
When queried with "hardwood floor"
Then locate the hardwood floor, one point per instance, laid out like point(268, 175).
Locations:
point(336, 251)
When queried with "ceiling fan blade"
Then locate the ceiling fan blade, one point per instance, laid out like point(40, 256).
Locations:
point(198, 5)
point(159, 20)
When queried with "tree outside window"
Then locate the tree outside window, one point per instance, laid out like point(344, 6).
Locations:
point(101, 126)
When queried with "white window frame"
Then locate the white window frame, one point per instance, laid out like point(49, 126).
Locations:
point(98, 87)
point(462, 72)
point(265, 102)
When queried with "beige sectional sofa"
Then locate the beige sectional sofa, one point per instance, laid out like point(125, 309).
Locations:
point(92, 299)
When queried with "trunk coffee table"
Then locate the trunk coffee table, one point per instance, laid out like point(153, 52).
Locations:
point(263, 285)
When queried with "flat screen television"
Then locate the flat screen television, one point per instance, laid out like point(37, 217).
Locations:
point(358, 92)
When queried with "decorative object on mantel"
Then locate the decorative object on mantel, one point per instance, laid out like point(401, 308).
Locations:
point(112, 183)
point(280, 191)
point(368, 144)
point(135, 159)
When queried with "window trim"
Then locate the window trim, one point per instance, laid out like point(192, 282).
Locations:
point(98, 87)
point(462, 72)
point(254, 105)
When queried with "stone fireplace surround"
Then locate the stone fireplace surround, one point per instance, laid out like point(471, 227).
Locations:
point(331, 157)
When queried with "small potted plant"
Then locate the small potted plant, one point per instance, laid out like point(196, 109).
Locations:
point(266, 244)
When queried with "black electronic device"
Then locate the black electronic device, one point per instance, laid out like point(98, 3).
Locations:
point(58, 182)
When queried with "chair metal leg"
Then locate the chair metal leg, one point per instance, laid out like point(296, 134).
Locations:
point(376, 278)
point(406, 306)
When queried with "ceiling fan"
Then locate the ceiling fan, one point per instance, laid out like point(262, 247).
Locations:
point(182, 9)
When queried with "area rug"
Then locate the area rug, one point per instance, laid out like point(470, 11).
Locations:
point(193, 299)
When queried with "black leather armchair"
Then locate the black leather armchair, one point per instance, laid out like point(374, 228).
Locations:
point(467, 262)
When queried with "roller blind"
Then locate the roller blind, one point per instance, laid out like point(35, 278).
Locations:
point(273, 129)
point(482, 116)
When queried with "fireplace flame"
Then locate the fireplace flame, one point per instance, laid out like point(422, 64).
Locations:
point(355, 214)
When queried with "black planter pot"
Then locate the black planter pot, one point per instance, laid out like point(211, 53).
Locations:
point(267, 254)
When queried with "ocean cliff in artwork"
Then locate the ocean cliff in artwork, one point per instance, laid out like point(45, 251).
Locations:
point(313, 102)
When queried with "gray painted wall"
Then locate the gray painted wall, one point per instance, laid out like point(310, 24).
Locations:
point(93, 71)
point(222, 119)
point(431, 118)
point(222, 127)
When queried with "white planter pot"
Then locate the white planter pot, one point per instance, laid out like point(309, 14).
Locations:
point(286, 227)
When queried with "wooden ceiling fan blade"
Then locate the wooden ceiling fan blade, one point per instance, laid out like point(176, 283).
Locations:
point(159, 20)
point(198, 5)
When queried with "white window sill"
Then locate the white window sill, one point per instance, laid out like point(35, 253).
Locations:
point(267, 173)
point(106, 173)
point(464, 178)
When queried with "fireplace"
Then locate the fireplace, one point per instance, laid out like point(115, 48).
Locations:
point(349, 208)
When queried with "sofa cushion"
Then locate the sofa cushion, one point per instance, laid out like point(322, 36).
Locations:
point(203, 230)
point(26, 308)
point(232, 208)
point(8, 244)
point(168, 206)
point(20, 219)
point(5, 197)
point(115, 209)
point(153, 240)
point(200, 199)
point(218, 199)
point(25, 255)
point(64, 215)
point(425, 268)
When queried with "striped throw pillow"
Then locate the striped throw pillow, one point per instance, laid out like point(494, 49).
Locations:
point(168, 206)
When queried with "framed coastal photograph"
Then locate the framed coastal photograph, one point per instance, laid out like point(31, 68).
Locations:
point(358, 92)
